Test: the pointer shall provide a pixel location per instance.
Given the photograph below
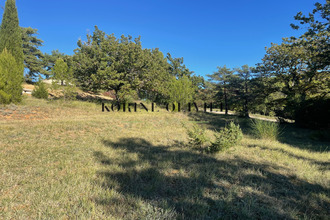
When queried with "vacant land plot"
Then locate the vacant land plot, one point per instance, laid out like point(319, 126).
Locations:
point(76, 162)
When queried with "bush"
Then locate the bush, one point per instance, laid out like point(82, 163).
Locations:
point(265, 129)
point(40, 91)
point(197, 137)
point(226, 138)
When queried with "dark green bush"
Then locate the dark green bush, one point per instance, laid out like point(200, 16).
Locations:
point(226, 138)
point(40, 91)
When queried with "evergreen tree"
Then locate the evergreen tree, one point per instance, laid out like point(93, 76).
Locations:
point(33, 57)
point(10, 79)
point(223, 77)
point(11, 40)
point(11, 33)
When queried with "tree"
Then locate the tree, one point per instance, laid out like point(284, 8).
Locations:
point(181, 90)
point(63, 75)
point(155, 77)
point(10, 33)
point(244, 89)
point(223, 77)
point(10, 79)
point(33, 57)
point(11, 40)
point(107, 63)
point(316, 39)
point(49, 61)
point(176, 67)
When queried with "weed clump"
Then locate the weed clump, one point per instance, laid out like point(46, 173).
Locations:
point(265, 129)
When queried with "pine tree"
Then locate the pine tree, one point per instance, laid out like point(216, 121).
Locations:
point(33, 57)
point(11, 40)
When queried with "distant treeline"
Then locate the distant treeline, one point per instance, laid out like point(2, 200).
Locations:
point(292, 81)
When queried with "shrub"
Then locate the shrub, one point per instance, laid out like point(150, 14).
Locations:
point(265, 129)
point(226, 138)
point(197, 137)
point(40, 91)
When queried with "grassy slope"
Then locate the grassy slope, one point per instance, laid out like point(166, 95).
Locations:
point(77, 162)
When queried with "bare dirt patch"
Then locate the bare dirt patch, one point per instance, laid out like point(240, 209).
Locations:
point(13, 112)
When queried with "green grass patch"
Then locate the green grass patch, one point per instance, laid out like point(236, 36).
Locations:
point(265, 129)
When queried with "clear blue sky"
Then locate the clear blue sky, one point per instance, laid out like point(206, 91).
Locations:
point(207, 33)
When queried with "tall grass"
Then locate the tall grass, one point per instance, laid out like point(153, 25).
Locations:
point(265, 129)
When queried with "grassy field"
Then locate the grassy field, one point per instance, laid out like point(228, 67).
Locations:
point(62, 160)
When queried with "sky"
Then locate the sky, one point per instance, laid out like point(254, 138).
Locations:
point(206, 33)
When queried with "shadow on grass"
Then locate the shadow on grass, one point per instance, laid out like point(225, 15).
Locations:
point(323, 165)
point(188, 185)
point(290, 133)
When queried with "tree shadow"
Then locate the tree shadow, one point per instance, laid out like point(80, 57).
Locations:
point(199, 186)
point(303, 138)
point(290, 133)
point(323, 165)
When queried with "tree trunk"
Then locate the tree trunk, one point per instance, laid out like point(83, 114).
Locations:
point(226, 102)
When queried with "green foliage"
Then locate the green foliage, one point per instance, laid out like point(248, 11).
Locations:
point(107, 63)
point(11, 33)
point(226, 138)
point(62, 75)
point(40, 91)
point(297, 70)
point(265, 129)
point(197, 137)
point(124, 67)
point(181, 90)
point(11, 60)
point(49, 61)
point(33, 57)
point(222, 78)
point(11, 79)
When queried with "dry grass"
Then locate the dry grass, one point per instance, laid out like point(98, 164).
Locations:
point(84, 164)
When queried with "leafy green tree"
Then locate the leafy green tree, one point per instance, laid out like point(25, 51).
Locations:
point(154, 79)
point(33, 57)
point(120, 65)
point(10, 79)
point(60, 71)
point(298, 69)
point(63, 75)
point(181, 90)
point(11, 40)
point(49, 61)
